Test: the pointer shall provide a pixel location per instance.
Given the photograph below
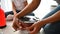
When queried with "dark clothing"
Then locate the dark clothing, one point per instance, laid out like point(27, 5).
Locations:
point(11, 12)
point(58, 1)
point(52, 28)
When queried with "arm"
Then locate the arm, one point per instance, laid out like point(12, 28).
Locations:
point(51, 19)
point(29, 8)
point(13, 8)
point(36, 26)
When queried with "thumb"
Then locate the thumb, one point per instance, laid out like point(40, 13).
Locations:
point(30, 28)
point(34, 31)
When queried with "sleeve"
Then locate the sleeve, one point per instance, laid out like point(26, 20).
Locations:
point(52, 12)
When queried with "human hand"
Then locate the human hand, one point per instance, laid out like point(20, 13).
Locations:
point(17, 24)
point(34, 29)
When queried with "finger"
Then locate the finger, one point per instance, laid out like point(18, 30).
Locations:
point(29, 28)
point(14, 24)
point(34, 31)
point(15, 27)
point(20, 27)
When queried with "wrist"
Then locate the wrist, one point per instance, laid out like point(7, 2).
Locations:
point(41, 23)
point(17, 16)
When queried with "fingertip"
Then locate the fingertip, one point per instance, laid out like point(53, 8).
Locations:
point(27, 28)
point(20, 27)
point(19, 23)
point(15, 28)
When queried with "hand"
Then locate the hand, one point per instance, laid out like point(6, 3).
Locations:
point(34, 29)
point(17, 24)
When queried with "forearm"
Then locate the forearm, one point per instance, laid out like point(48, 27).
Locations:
point(29, 8)
point(13, 8)
point(51, 19)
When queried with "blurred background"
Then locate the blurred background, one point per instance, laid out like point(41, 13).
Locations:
point(45, 7)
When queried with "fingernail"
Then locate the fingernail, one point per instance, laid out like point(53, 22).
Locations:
point(20, 27)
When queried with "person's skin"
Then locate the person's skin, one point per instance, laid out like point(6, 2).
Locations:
point(28, 9)
point(36, 26)
point(14, 9)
